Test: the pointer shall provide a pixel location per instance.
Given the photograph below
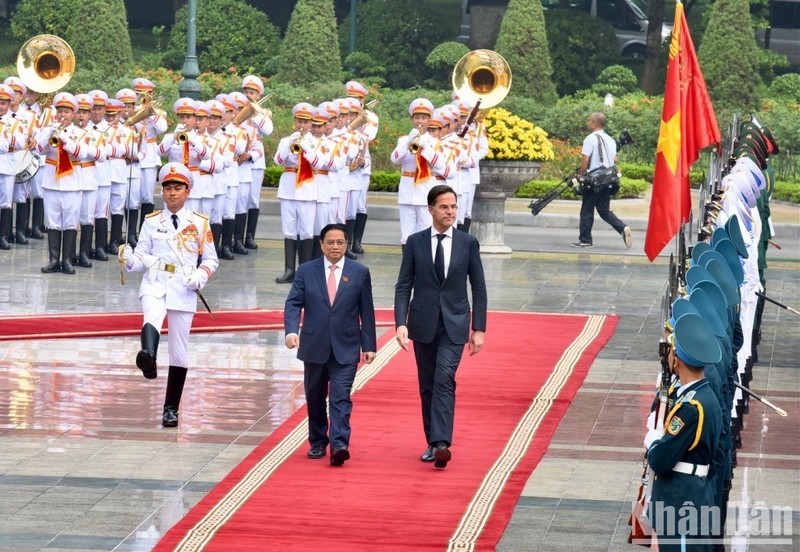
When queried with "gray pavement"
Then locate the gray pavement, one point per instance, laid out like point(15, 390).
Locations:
point(85, 465)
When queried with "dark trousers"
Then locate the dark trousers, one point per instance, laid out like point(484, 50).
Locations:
point(437, 363)
point(317, 380)
point(602, 202)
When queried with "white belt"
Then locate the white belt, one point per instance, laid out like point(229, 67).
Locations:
point(700, 470)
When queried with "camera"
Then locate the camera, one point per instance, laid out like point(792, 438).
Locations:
point(581, 184)
point(624, 139)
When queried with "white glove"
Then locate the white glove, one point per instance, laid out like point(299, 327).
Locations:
point(651, 420)
point(63, 136)
point(196, 280)
point(424, 140)
point(196, 141)
point(294, 137)
point(125, 253)
point(413, 134)
point(308, 143)
point(652, 436)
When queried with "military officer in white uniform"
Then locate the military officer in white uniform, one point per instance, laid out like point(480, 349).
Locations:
point(253, 88)
point(170, 245)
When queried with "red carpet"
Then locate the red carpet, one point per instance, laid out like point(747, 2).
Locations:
point(510, 399)
point(104, 324)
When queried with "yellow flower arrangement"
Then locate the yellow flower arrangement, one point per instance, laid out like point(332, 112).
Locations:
point(512, 137)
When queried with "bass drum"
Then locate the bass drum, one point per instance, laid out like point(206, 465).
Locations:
point(27, 163)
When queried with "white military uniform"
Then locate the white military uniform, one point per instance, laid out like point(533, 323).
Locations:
point(168, 256)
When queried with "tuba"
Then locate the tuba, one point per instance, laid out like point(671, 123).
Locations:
point(45, 63)
point(482, 78)
point(147, 107)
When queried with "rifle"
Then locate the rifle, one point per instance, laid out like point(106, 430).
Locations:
point(720, 163)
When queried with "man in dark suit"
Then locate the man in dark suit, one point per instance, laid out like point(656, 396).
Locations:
point(338, 331)
point(436, 265)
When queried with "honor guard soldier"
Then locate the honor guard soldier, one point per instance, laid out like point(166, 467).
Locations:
point(350, 152)
point(102, 170)
point(88, 177)
point(176, 253)
point(261, 122)
point(338, 158)
point(369, 131)
point(201, 198)
point(137, 153)
point(246, 184)
point(183, 145)
point(223, 157)
point(300, 155)
point(478, 148)
point(23, 125)
point(320, 128)
point(65, 147)
point(41, 118)
point(682, 509)
point(120, 139)
point(234, 201)
point(151, 127)
point(10, 140)
point(417, 153)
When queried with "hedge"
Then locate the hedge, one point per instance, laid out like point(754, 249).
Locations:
point(629, 188)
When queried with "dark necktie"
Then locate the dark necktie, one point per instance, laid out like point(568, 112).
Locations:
point(175, 221)
point(438, 260)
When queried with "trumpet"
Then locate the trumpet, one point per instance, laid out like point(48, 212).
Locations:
point(181, 135)
point(296, 148)
point(413, 145)
point(54, 140)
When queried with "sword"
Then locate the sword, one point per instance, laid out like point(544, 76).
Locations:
point(781, 305)
point(756, 396)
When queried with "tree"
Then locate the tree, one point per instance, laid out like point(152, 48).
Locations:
point(230, 33)
point(310, 48)
point(728, 55)
point(522, 41)
point(650, 76)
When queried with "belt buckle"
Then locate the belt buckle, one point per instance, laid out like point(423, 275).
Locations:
point(169, 267)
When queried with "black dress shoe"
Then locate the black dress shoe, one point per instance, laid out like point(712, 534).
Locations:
point(316, 453)
point(427, 456)
point(339, 455)
point(441, 456)
point(170, 418)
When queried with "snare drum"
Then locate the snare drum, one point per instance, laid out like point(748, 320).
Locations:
point(27, 163)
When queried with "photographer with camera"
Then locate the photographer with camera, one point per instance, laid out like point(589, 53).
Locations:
point(599, 151)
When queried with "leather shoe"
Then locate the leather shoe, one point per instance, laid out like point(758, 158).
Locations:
point(316, 453)
point(170, 418)
point(441, 456)
point(339, 455)
point(427, 456)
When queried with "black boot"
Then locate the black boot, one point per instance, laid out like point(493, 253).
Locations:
point(227, 239)
point(100, 239)
point(349, 228)
point(289, 253)
point(146, 358)
point(22, 223)
point(117, 222)
point(54, 246)
point(358, 233)
point(238, 234)
point(5, 228)
point(133, 221)
point(68, 250)
point(216, 232)
point(252, 222)
point(86, 246)
point(306, 250)
point(467, 223)
point(147, 208)
point(37, 219)
point(316, 253)
point(172, 400)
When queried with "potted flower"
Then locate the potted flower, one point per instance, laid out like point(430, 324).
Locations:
point(516, 149)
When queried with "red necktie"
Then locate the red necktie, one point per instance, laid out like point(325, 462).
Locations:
point(332, 283)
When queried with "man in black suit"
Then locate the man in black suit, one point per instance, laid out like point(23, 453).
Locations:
point(338, 332)
point(436, 265)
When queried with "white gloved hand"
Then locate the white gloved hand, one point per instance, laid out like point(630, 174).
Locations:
point(196, 141)
point(63, 135)
point(294, 137)
point(424, 140)
point(652, 436)
point(413, 134)
point(651, 420)
point(125, 253)
point(196, 280)
point(309, 143)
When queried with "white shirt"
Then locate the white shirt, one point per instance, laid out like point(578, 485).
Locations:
point(591, 149)
point(337, 273)
point(447, 247)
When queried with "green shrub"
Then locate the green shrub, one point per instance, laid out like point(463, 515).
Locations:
point(628, 189)
point(786, 191)
point(637, 171)
point(383, 181)
point(363, 67)
point(310, 52)
point(615, 80)
point(580, 46)
point(441, 61)
point(730, 59)
point(522, 41)
point(272, 176)
point(398, 34)
point(104, 52)
point(230, 33)
point(786, 87)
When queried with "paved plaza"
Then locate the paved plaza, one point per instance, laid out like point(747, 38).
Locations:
point(86, 465)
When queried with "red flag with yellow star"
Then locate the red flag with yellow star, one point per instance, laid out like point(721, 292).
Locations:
point(688, 124)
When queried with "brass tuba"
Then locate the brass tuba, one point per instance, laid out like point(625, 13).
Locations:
point(481, 78)
point(45, 63)
point(147, 107)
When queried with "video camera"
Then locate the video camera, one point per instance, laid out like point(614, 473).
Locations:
point(624, 139)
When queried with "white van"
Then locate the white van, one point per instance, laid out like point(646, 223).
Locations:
point(783, 34)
